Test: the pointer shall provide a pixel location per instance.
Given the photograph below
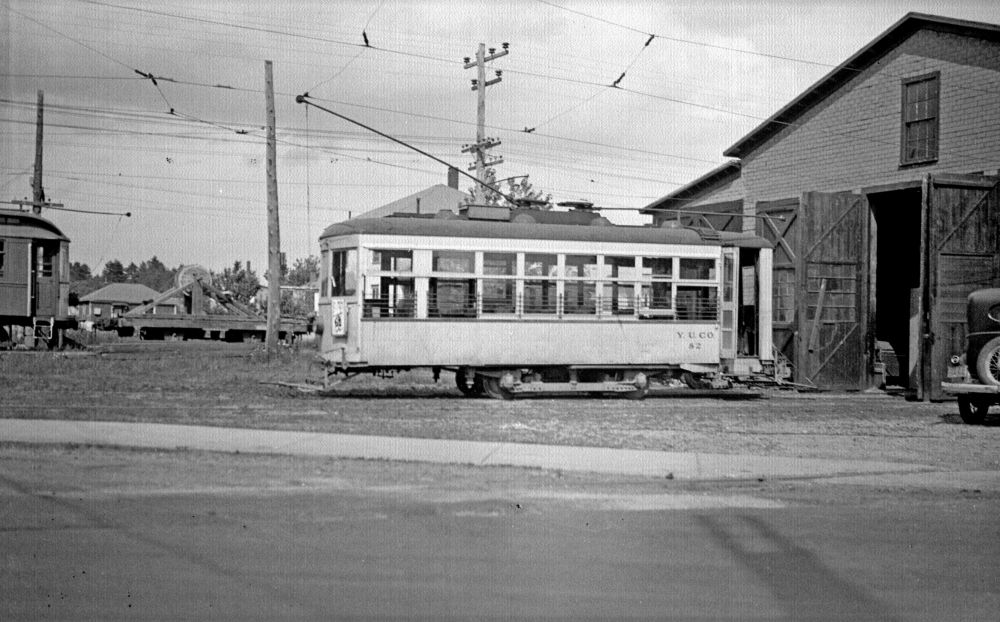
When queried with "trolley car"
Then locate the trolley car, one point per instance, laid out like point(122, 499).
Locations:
point(34, 277)
point(529, 301)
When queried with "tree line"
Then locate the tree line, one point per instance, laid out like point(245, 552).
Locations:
point(240, 280)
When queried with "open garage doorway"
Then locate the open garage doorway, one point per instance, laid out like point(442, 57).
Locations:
point(896, 287)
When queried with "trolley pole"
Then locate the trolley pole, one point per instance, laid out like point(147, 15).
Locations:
point(273, 238)
point(482, 142)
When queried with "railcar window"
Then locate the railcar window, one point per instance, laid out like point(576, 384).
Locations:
point(453, 261)
point(2, 254)
point(393, 260)
point(390, 295)
point(658, 294)
point(540, 291)
point(580, 297)
point(702, 269)
point(450, 297)
point(697, 302)
point(44, 256)
point(343, 273)
point(618, 296)
point(658, 267)
point(498, 293)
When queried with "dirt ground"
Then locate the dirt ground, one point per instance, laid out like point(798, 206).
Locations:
point(234, 386)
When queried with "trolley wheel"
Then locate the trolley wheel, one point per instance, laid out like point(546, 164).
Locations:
point(492, 388)
point(972, 412)
point(695, 382)
point(637, 394)
point(469, 389)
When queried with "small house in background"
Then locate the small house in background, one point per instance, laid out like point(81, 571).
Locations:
point(115, 299)
point(429, 201)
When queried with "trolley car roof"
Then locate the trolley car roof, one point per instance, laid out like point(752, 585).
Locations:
point(18, 224)
point(463, 228)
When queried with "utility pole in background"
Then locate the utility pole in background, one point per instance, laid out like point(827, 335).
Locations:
point(37, 194)
point(482, 142)
point(273, 238)
point(37, 201)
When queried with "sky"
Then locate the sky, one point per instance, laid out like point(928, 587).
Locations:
point(186, 156)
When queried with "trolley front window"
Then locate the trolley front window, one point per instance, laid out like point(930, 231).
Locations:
point(343, 269)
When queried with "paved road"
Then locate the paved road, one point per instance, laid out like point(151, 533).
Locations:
point(106, 534)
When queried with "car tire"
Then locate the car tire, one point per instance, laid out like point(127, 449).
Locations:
point(972, 412)
point(988, 363)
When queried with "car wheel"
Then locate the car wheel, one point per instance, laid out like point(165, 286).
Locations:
point(988, 363)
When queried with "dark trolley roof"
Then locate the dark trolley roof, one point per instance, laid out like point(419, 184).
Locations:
point(18, 224)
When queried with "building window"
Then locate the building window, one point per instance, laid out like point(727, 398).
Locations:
point(920, 119)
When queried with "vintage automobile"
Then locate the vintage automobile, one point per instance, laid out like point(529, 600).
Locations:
point(980, 385)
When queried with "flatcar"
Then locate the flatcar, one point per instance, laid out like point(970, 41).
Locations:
point(520, 301)
point(34, 278)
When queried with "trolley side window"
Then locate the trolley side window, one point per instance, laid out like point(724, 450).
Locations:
point(657, 288)
point(580, 288)
point(498, 285)
point(390, 289)
point(2, 255)
point(452, 295)
point(698, 301)
point(540, 272)
point(618, 292)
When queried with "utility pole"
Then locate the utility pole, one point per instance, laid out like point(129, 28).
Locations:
point(37, 194)
point(482, 142)
point(37, 201)
point(273, 238)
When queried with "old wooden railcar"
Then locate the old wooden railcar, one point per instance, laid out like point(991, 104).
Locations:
point(538, 301)
point(34, 277)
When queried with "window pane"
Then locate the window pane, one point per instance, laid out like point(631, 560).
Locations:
point(581, 266)
point(661, 267)
point(619, 298)
point(393, 260)
point(540, 297)
point(390, 297)
point(580, 297)
point(697, 268)
point(500, 263)
point(451, 298)
point(697, 303)
point(453, 261)
point(498, 296)
point(620, 267)
point(657, 296)
point(540, 265)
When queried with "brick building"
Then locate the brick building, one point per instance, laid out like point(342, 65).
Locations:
point(880, 187)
